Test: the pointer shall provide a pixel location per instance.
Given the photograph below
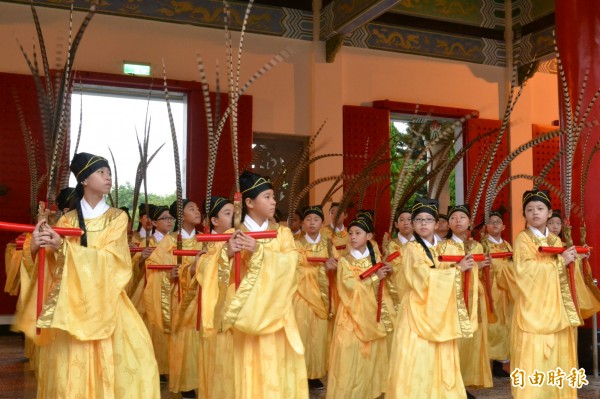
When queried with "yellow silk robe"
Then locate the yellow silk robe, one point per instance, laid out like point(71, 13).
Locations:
point(499, 331)
point(424, 362)
point(311, 306)
point(358, 363)
point(94, 344)
point(12, 265)
point(339, 239)
point(217, 288)
point(588, 296)
point(474, 352)
point(268, 353)
point(24, 265)
point(542, 334)
point(396, 246)
point(178, 310)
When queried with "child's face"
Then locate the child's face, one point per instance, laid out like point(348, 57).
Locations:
point(459, 222)
point(340, 220)
point(495, 226)
point(164, 223)
point(441, 227)
point(312, 223)
point(192, 214)
point(404, 224)
point(263, 206)
point(554, 225)
point(358, 237)
point(537, 214)
point(424, 225)
point(295, 222)
point(224, 219)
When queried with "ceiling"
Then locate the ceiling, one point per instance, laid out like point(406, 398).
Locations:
point(464, 30)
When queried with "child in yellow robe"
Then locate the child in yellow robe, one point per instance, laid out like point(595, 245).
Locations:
point(358, 363)
point(311, 302)
point(588, 296)
point(499, 329)
point(474, 352)
point(403, 225)
point(217, 285)
point(424, 361)
point(94, 344)
point(157, 289)
point(336, 231)
point(542, 335)
point(180, 303)
point(267, 350)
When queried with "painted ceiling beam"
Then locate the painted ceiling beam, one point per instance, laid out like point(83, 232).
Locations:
point(342, 17)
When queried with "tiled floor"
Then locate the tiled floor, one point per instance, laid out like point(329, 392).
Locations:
point(16, 383)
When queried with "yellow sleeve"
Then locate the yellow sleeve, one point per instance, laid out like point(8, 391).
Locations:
point(544, 304)
point(159, 289)
point(263, 301)
point(83, 300)
point(435, 302)
point(359, 300)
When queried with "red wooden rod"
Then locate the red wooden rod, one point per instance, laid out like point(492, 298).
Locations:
point(186, 252)
point(458, 258)
point(257, 235)
point(135, 250)
point(560, 250)
point(160, 267)
point(373, 269)
point(500, 255)
point(317, 260)
point(28, 228)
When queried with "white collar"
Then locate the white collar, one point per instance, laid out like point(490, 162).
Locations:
point(538, 233)
point(142, 232)
point(185, 235)
point(213, 232)
point(359, 255)
point(297, 232)
point(455, 238)
point(404, 240)
point(436, 241)
point(251, 225)
point(310, 240)
point(91, 213)
point(158, 236)
point(336, 229)
point(493, 240)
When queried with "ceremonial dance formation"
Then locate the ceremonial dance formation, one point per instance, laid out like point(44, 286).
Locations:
point(215, 297)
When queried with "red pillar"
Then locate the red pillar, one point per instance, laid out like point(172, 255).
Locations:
point(578, 39)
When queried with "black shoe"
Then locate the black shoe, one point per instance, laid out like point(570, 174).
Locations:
point(498, 371)
point(470, 395)
point(163, 379)
point(315, 384)
point(188, 394)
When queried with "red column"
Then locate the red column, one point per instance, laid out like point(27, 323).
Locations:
point(578, 39)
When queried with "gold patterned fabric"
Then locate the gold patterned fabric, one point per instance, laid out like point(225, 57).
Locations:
point(542, 333)
point(311, 306)
point(499, 332)
point(94, 344)
point(178, 312)
point(158, 293)
point(474, 351)
point(424, 361)
point(268, 355)
point(217, 287)
point(358, 363)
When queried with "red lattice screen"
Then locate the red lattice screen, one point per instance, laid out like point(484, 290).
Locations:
point(542, 155)
point(365, 130)
point(474, 128)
